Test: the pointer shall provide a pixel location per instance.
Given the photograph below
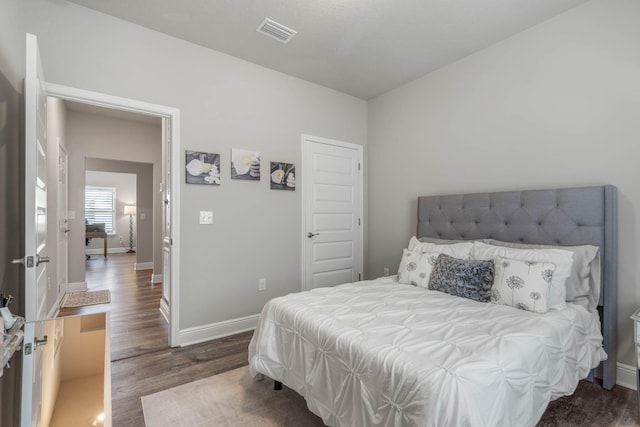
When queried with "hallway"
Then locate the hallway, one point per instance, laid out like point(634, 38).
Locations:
point(137, 327)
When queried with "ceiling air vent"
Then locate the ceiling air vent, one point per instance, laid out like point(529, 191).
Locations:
point(276, 31)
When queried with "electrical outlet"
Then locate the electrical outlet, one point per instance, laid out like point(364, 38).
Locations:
point(262, 284)
point(206, 217)
point(386, 271)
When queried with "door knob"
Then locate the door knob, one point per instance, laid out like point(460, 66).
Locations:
point(41, 259)
point(310, 234)
point(40, 342)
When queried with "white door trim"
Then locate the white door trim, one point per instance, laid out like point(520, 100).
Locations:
point(305, 175)
point(172, 114)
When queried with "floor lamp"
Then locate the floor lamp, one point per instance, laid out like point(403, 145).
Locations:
point(131, 211)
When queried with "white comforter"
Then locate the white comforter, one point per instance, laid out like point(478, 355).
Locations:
point(377, 353)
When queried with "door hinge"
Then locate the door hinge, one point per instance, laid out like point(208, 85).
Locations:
point(27, 349)
point(358, 165)
point(359, 276)
point(358, 221)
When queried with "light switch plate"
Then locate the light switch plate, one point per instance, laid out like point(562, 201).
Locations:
point(143, 216)
point(206, 217)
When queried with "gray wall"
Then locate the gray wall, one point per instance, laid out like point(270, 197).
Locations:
point(11, 277)
point(11, 196)
point(557, 105)
point(12, 41)
point(118, 142)
point(224, 102)
point(12, 56)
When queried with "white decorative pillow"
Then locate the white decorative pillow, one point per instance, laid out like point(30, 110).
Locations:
point(583, 286)
point(562, 259)
point(457, 250)
point(415, 267)
point(522, 284)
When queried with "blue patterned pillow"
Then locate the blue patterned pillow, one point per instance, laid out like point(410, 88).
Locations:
point(464, 278)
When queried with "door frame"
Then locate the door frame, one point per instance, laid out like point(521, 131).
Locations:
point(62, 215)
point(306, 176)
point(173, 115)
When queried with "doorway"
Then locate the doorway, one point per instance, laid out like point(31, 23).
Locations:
point(108, 196)
point(170, 142)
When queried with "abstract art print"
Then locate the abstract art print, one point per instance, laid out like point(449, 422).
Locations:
point(245, 164)
point(202, 168)
point(283, 176)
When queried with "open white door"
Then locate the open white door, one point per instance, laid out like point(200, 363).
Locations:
point(35, 244)
point(35, 223)
point(63, 218)
point(332, 217)
point(165, 305)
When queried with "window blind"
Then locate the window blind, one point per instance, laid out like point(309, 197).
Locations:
point(99, 206)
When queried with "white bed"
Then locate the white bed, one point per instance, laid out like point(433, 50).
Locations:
point(380, 353)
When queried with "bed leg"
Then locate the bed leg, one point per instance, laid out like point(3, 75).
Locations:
point(277, 385)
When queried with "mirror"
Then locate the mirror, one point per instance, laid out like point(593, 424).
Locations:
point(70, 375)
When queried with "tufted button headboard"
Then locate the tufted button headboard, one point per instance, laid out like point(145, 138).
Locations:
point(564, 217)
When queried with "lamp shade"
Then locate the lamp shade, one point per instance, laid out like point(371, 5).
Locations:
point(130, 210)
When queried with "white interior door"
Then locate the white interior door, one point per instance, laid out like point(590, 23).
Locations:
point(332, 218)
point(166, 221)
point(35, 258)
point(63, 218)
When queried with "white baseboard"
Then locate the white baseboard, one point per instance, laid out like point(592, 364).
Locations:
point(156, 278)
point(143, 266)
point(217, 330)
point(164, 309)
point(109, 251)
point(626, 376)
point(73, 287)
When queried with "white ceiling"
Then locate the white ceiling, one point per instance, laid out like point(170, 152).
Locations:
point(360, 47)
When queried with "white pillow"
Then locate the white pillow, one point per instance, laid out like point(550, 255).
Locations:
point(583, 286)
point(561, 258)
point(415, 267)
point(522, 284)
point(456, 250)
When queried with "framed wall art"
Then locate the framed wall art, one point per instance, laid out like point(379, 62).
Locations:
point(202, 168)
point(283, 176)
point(245, 164)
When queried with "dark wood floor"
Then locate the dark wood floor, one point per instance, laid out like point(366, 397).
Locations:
point(142, 361)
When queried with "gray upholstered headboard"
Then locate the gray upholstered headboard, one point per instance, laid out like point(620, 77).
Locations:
point(567, 216)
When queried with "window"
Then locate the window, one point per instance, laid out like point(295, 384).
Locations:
point(100, 207)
